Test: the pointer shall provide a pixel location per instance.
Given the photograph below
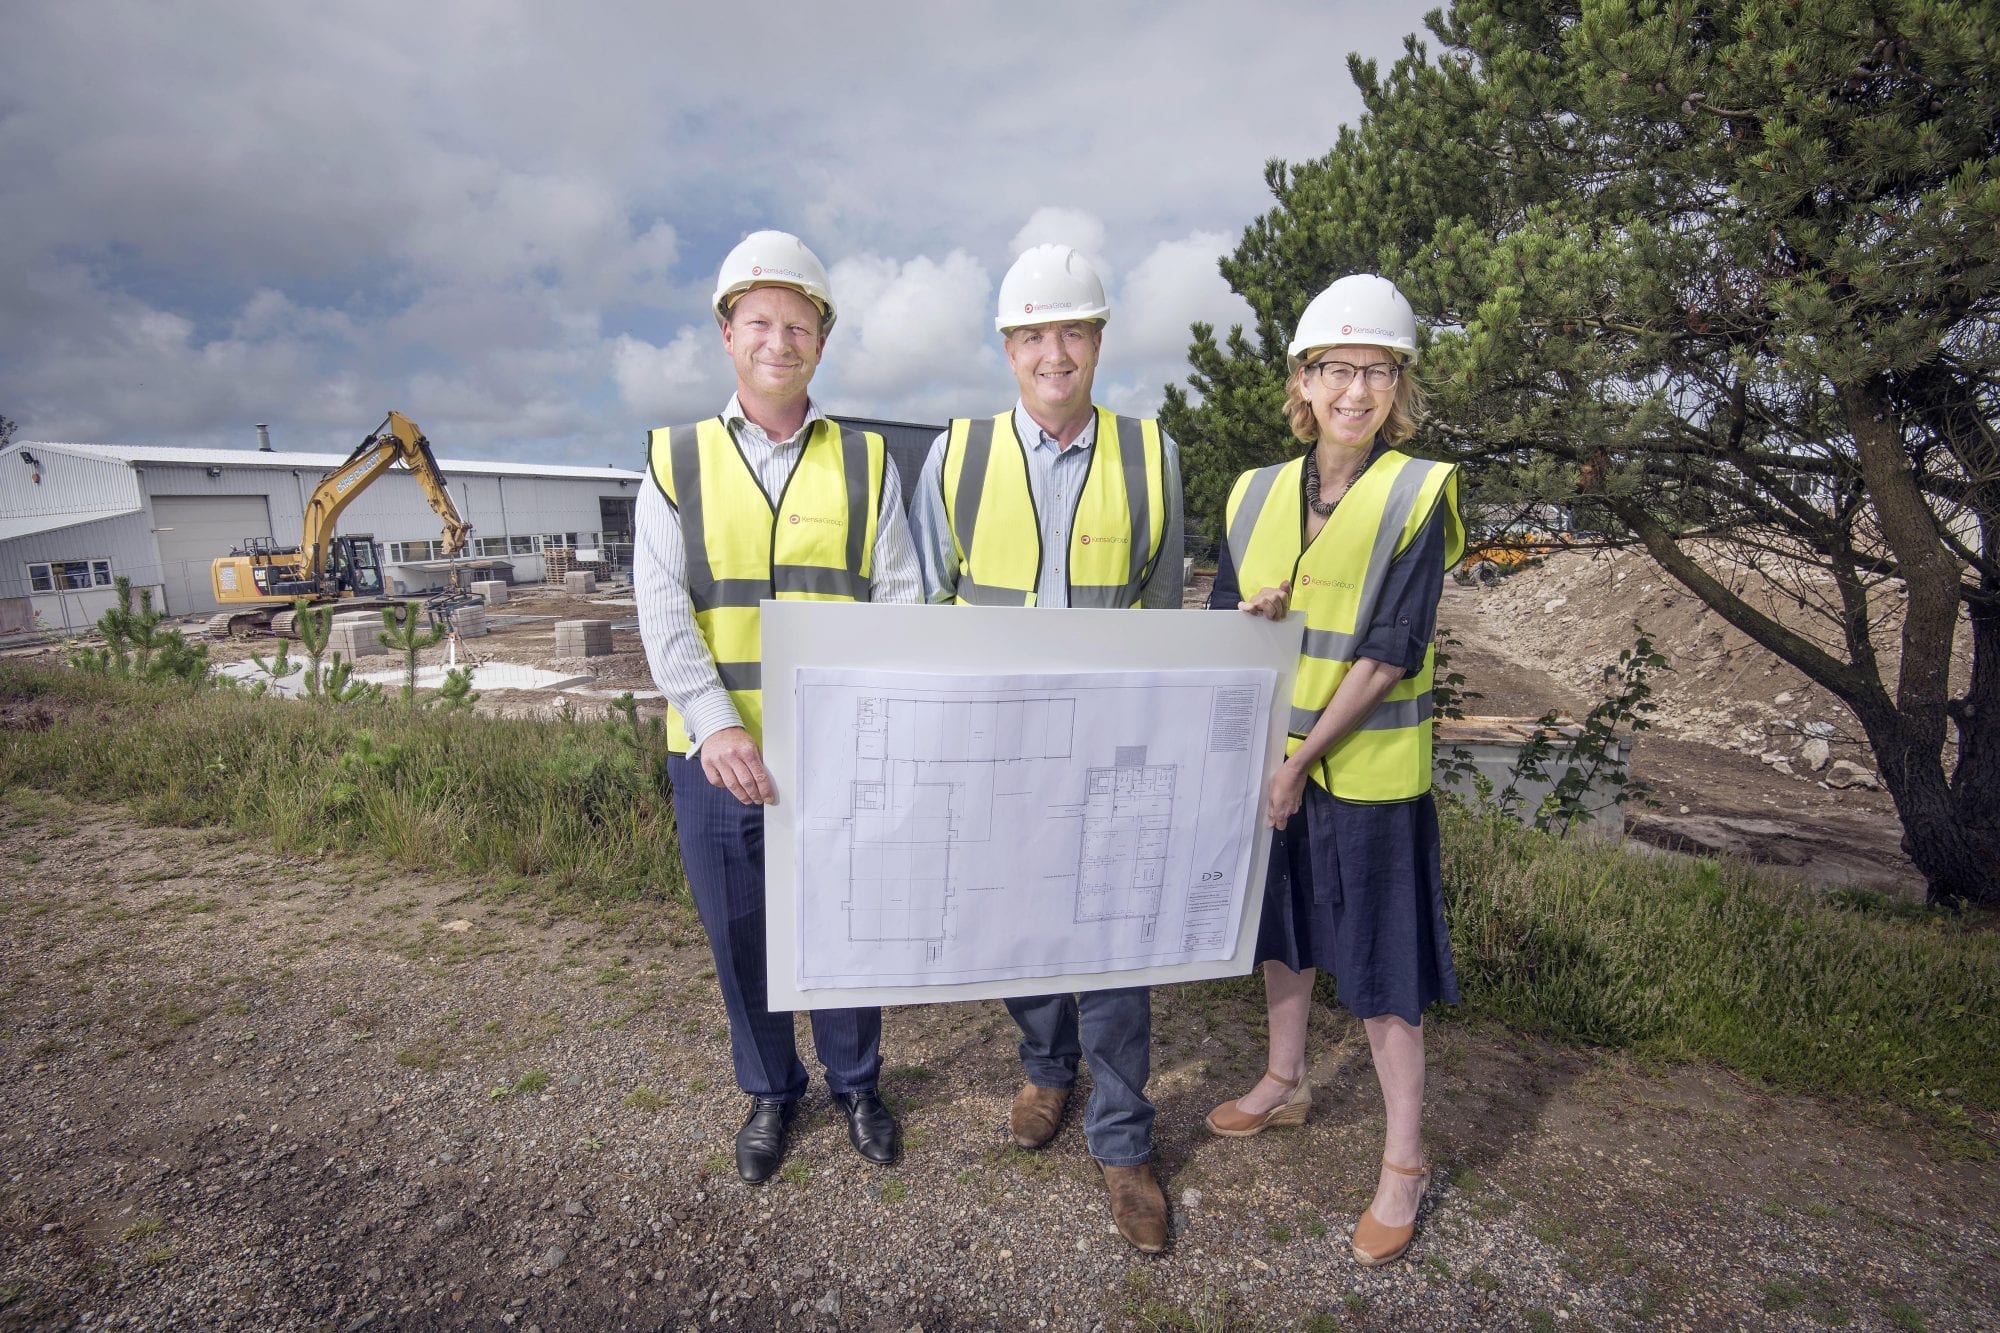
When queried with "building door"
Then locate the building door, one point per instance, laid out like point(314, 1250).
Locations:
point(193, 530)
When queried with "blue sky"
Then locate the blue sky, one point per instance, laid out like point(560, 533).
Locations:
point(504, 219)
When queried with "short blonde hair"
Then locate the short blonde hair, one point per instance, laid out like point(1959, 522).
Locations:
point(1404, 414)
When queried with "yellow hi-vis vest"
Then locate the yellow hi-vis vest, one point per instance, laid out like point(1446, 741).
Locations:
point(1116, 527)
point(1337, 582)
point(817, 543)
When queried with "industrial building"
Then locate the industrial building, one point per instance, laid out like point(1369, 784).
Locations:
point(73, 517)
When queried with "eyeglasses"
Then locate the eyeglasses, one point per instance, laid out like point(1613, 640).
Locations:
point(1337, 375)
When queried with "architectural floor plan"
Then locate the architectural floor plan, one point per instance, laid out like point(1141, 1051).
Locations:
point(972, 828)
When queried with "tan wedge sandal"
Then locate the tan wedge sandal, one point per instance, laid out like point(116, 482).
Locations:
point(1375, 1244)
point(1231, 1121)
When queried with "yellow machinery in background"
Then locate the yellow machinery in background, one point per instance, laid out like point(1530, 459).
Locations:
point(257, 582)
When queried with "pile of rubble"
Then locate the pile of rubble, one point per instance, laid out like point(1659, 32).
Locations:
point(1574, 612)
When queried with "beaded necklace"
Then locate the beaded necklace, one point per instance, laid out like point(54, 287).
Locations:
point(1321, 507)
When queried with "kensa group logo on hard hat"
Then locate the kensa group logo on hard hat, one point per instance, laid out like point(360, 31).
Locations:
point(1363, 328)
point(759, 271)
point(1030, 308)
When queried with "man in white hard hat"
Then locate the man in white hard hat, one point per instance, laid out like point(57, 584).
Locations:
point(710, 547)
point(1061, 503)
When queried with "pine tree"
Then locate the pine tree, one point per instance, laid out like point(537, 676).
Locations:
point(1726, 276)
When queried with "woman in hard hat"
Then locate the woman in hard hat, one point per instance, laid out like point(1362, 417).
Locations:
point(1357, 535)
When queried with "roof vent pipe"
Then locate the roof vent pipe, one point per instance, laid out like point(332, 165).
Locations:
point(264, 438)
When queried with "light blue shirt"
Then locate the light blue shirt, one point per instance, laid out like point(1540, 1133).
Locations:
point(1055, 481)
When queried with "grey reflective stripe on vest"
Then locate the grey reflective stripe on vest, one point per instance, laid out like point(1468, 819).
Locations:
point(705, 591)
point(978, 594)
point(1247, 514)
point(818, 579)
point(1388, 715)
point(971, 482)
point(725, 592)
point(740, 676)
point(1132, 449)
point(860, 504)
point(1338, 646)
point(1138, 523)
point(1100, 596)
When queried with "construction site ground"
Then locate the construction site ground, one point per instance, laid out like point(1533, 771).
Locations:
point(244, 1090)
point(1536, 641)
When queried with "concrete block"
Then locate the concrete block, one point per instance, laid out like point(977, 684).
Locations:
point(372, 618)
point(493, 590)
point(580, 581)
point(354, 640)
point(583, 638)
point(470, 622)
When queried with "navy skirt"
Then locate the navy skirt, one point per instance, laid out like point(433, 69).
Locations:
point(1357, 890)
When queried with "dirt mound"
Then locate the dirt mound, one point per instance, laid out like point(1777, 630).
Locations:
point(1573, 612)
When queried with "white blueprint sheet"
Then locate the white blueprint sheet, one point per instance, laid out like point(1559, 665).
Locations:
point(982, 828)
point(898, 873)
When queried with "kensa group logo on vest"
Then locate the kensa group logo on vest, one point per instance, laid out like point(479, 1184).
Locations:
point(1306, 581)
point(815, 518)
point(1120, 541)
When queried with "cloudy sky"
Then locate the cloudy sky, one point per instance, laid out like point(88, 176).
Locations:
point(504, 219)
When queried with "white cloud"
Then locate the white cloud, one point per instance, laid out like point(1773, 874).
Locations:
point(1073, 227)
point(1172, 287)
point(504, 219)
point(686, 379)
point(913, 336)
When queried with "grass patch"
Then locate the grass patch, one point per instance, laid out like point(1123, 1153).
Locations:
point(558, 806)
point(645, 1099)
point(145, 1228)
point(425, 1054)
point(535, 1080)
point(1847, 994)
point(1676, 959)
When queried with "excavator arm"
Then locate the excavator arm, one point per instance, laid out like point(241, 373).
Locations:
point(396, 440)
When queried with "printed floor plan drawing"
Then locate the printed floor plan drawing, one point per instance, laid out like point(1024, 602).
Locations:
point(1128, 823)
point(1020, 827)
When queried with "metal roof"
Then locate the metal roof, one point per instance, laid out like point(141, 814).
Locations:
point(143, 455)
point(27, 525)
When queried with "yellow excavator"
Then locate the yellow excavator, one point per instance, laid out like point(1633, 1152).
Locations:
point(258, 582)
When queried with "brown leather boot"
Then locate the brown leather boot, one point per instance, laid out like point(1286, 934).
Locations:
point(1137, 1206)
point(1036, 1114)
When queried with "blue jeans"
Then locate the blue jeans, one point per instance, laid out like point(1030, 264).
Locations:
point(1113, 1030)
point(722, 848)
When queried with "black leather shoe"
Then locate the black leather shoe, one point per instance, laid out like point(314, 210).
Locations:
point(760, 1144)
point(870, 1127)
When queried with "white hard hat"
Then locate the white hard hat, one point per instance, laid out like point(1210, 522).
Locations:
point(1049, 284)
point(772, 259)
point(1361, 309)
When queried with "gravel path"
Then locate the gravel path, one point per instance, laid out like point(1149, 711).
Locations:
point(238, 1091)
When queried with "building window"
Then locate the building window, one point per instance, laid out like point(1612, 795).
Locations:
point(69, 575)
point(522, 546)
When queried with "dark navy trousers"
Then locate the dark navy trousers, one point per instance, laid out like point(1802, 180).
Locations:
point(1113, 1030)
point(722, 848)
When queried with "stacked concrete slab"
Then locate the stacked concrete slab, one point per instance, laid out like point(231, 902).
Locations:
point(470, 622)
point(579, 581)
point(583, 638)
point(356, 636)
point(493, 590)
